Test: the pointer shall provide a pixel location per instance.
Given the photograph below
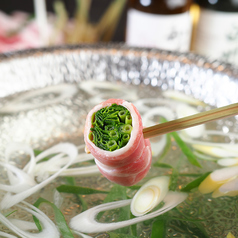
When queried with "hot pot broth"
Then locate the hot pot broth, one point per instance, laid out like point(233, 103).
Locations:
point(46, 95)
point(198, 216)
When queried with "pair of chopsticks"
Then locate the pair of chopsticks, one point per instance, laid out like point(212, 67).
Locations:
point(194, 120)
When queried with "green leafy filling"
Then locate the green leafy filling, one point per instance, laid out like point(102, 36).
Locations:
point(112, 127)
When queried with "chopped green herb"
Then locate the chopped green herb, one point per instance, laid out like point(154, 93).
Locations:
point(112, 127)
point(128, 120)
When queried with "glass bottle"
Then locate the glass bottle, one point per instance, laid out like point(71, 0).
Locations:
point(164, 24)
point(216, 34)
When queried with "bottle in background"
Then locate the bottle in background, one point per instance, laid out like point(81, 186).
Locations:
point(164, 24)
point(216, 34)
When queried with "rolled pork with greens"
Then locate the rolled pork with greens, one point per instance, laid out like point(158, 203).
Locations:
point(113, 134)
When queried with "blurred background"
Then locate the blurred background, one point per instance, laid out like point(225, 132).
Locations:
point(206, 27)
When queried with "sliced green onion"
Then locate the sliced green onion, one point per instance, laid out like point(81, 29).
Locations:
point(125, 139)
point(149, 195)
point(126, 129)
point(218, 180)
point(114, 135)
point(215, 151)
point(109, 124)
point(229, 188)
point(85, 221)
point(49, 228)
point(69, 149)
point(122, 115)
point(109, 128)
point(25, 181)
point(128, 120)
point(228, 161)
point(112, 145)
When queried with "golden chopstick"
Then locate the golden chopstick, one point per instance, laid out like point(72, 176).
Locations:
point(194, 120)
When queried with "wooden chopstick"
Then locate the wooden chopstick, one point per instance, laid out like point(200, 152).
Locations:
point(194, 120)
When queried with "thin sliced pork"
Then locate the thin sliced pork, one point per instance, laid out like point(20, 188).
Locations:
point(129, 164)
